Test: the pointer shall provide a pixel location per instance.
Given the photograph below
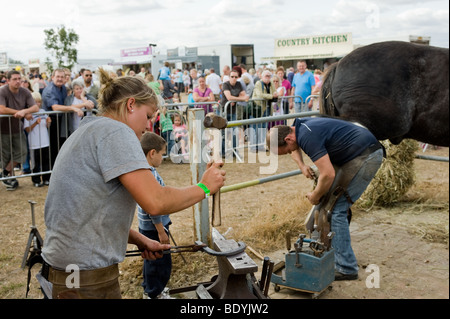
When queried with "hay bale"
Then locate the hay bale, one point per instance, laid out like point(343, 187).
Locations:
point(395, 176)
point(268, 231)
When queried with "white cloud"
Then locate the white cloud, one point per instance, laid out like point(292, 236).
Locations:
point(347, 12)
point(422, 17)
point(106, 27)
point(118, 8)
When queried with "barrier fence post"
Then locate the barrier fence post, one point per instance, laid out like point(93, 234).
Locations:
point(202, 229)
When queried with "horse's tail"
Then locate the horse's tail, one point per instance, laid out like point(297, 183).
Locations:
point(326, 103)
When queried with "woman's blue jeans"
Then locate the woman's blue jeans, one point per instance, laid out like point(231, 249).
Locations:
point(345, 260)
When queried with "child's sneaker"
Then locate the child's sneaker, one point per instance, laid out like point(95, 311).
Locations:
point(165, 294)
point(145, 296)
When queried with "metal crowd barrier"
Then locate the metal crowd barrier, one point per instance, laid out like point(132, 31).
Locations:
point(199, 160)
point(432, 158)
point(254, 133)
point(183, 107)
point(180, 108)
point(62, 129)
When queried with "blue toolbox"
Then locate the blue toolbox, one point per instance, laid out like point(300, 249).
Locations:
point(309, 267)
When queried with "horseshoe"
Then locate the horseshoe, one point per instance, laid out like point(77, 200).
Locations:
point(241, 248)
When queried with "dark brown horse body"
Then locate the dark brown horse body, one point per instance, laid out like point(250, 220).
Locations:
point(396, 89)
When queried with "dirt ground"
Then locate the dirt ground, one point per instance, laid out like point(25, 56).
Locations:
point(408, 241)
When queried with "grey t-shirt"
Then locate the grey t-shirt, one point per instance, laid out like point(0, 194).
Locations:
point(17, 101)
point(234, 91)
point(88, 212)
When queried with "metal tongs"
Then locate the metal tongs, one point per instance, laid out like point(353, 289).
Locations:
point(173, 250)
point(198, 246)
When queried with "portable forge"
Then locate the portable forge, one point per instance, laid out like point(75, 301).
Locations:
point(309, 267)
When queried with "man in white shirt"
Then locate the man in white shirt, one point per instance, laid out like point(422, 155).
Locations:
point(214, 82)
point(194, 78)
point(226, 74)
point(245, 73)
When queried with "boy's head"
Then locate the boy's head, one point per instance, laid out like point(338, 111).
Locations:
point(37, 98)
point(154, 146)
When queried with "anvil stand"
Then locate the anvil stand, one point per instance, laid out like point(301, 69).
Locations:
point(234, 272)
point(34, 240)
point(236, 279)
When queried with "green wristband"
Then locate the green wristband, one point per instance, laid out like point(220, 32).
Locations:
point(205, 189)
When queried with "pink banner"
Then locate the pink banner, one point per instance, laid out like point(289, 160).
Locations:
point(135, 52)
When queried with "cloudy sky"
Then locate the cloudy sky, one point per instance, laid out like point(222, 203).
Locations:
point(106, 27)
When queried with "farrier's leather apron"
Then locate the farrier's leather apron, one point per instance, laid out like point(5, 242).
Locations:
point(319, 218)
point(101, 283)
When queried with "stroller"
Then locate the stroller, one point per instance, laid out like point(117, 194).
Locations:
point(179, 152)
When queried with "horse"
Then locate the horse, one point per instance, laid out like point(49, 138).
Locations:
point(396, 89)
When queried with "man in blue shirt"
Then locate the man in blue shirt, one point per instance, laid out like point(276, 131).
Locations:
point(302, 85)
point(331, 143)
point(53, 100)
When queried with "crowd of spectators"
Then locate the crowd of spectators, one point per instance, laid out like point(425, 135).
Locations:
point(76, 95)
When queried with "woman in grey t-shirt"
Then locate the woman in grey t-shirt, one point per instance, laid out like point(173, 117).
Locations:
point(99, 175)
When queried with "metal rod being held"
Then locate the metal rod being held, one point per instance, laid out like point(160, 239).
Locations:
point(173, 250)
point(213, 121)
point(33, 221)
point(216, 214)
point(171, 237)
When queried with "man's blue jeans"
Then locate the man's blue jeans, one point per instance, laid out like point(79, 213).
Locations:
point(345, 260)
